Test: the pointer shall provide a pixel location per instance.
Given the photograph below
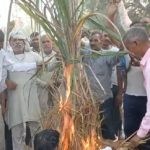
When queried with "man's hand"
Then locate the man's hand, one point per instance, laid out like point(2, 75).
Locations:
point(11, 25)
point(135, 141)
point(39, 65)
point(115, 145)
point(112, 9)
point(11, 85)
point(49, 87)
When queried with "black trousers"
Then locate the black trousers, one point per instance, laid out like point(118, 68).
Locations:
point(134, 111)
point(108, 130)
point(8, 138)
point(116, 111)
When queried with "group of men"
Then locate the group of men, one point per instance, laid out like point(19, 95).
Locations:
point(110, 78)
point(27, 96)
point(131, 73)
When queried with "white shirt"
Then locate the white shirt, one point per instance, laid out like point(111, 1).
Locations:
point(2, 82)
point(23, 102)
point(87, 42)
point(124, 18)
point(135, 78)
point(135, 81)
point(43, 80)
point(114, 80)
point(8, 64)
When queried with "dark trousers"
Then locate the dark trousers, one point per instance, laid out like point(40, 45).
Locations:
point(8, 138)
point(134, 111)
point(106, 110)
point(116, 111)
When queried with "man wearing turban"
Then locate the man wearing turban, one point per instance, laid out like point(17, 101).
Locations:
point(23, 104)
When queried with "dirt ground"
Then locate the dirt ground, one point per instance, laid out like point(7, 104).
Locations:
point(2, 144)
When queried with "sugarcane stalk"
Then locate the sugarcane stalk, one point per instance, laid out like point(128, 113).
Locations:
point(8, 21)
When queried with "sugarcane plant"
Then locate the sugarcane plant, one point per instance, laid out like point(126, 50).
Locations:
point(76, 113)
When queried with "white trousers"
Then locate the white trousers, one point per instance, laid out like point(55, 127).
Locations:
point(19, 134)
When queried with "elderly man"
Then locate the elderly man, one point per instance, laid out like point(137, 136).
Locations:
point(135, 94)
point(44, 81)
point(8, 64)
point(101, 83)
point(137, 42)
point(23, 104)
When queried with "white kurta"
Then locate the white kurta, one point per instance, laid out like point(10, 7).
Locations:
point(42, 82)
point(23, 103)
point(2, 82)
point(8, 64)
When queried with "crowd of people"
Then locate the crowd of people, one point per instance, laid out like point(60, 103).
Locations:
point(125, 79)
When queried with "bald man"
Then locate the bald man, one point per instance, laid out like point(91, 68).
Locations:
point(137, 42)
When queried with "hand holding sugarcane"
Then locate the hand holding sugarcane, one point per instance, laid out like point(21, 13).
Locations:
point(134, 142)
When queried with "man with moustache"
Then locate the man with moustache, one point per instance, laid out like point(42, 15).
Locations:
point(107, 46)
point(23, 104)
point(137, 42)
point(101, 83)
point(35, 42)
point(135, 96)
point(44, 80)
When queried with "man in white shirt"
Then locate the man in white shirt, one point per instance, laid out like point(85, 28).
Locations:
point(8, 64)
point(44, 80)
point(85, 43)
point(23, 104)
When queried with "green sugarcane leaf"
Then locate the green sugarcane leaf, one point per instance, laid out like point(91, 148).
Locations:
point(101, 27)
point(100, 54)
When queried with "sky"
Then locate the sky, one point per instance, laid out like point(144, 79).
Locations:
point(4, 7)
point(16, 13)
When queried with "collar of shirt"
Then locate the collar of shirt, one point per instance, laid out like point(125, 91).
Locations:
point(145, 58)
point(49, 55)
point(19, 57)
point(33, 50)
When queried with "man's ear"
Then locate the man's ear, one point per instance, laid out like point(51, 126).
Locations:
point(136, 43)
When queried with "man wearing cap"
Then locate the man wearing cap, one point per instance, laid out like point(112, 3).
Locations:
point(23, 104)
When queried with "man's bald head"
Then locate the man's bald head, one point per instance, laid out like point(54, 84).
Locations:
point(135, 40)
point(145, 21)
point(47, 44)
point(136, 33)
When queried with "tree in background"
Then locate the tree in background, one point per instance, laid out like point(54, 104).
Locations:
point(137, 9)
